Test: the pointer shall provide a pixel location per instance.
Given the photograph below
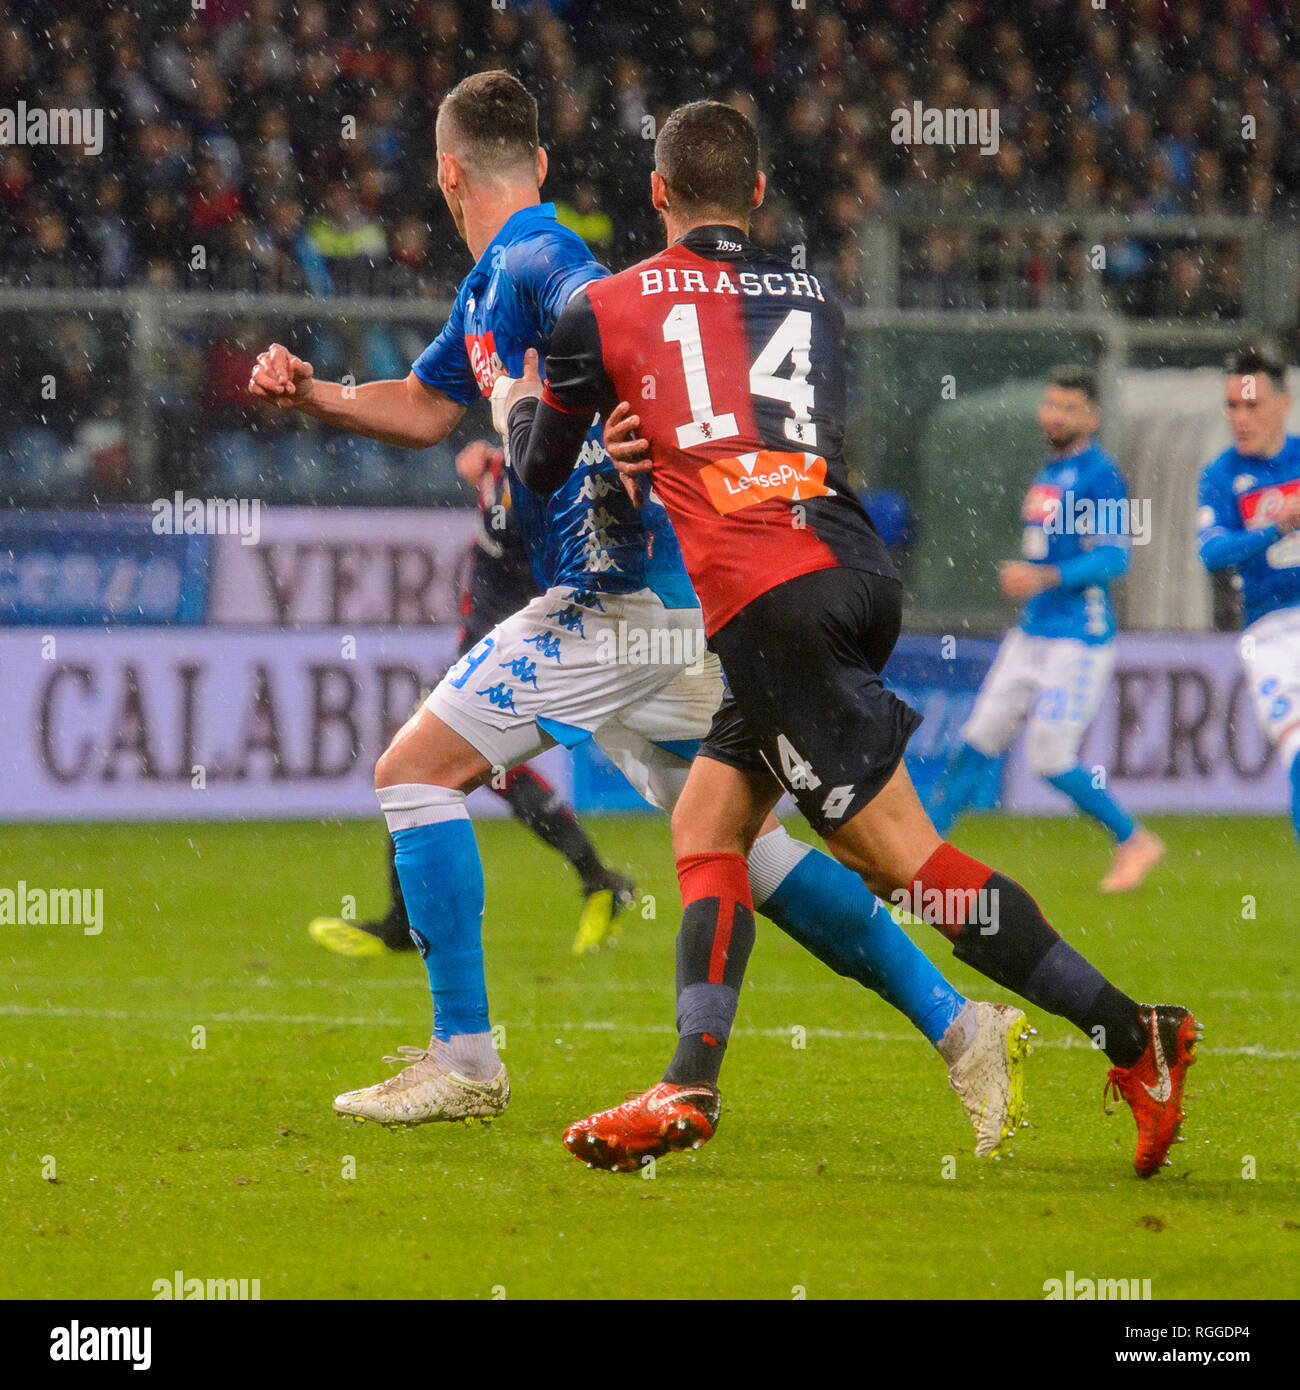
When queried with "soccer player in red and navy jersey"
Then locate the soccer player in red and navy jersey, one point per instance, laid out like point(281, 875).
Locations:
point(736, 359)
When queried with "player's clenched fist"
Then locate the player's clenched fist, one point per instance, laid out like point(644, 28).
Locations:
point(280, 377)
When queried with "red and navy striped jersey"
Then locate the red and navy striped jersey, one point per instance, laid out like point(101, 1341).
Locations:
point(734, 362)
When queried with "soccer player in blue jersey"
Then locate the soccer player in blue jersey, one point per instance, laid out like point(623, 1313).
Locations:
point(565, 667)
point(1249, 512)
point(1052, 668)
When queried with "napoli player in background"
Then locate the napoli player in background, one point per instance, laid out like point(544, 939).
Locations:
point(498, 583)
point(605, 565)
point(1053, 667)
point(1248, 515)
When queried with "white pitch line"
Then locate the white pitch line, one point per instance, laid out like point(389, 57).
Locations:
point(1066, 1044)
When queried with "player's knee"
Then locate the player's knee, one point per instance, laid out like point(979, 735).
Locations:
point(699, 829)
point(393, 768)
point(410, 760)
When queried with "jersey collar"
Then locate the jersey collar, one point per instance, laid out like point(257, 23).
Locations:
point(516, 225)
point(719, 241)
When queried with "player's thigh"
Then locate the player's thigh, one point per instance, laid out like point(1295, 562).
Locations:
point(803, 665)
point(1271, 655)
point(722, 808)
point(499, 689)
point(426, 750)
point(1075, 676)
point(655, 771)
point(889, 839)
point(679, 709)
point(656, 734)
point(1005, 696)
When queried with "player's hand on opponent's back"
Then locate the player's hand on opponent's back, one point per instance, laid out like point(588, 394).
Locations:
point(1021, 579)
point(629, 452)
point(281, 378)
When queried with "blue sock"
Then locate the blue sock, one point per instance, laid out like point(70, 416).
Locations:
point(441, 875)
point(829, 911)
point(959, 786)
point(1295, 794)
point(1096, 802)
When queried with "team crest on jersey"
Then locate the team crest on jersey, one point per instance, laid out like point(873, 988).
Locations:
point(1261, 505)
point(763, 476)
point(484, 359)
point(1043, 504)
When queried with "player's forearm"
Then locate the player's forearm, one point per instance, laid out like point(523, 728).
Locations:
point(544, 444)
point(1097, 566)
point(382, 410)
point(1221, 549)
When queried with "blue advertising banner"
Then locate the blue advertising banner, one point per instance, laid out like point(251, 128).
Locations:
point(99, 567)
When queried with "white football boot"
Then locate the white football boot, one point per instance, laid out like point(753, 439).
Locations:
point(425, 1090)
point(988, 1075)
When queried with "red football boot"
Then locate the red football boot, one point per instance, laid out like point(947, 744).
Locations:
point(659, 1121)
point(1153, 1085)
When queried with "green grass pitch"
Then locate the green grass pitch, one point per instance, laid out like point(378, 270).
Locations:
point(842, 1167)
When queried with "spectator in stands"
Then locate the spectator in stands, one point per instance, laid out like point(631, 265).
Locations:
point(350, 241)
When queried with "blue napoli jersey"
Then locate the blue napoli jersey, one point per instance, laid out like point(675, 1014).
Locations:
point(1237, 500)
point(1076, 517)
point(588, 534)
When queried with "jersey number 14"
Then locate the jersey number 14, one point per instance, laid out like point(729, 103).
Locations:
point(792, 339)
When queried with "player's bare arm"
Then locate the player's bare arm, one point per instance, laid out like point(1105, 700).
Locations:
point(1020, 579)
point(404, 412)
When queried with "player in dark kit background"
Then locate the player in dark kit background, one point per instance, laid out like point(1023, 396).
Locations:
point(736, 360)
point(499, 581)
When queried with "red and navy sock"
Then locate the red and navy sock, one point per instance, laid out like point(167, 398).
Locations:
point(995, 926)
point(713, 949)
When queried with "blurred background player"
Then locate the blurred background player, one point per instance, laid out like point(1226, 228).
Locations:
point(499, 582)
point(1053, 667)
point(1249, 509)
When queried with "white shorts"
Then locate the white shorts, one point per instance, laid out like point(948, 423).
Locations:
point(619, 668)
point(1053, 683)
point(1270, 651)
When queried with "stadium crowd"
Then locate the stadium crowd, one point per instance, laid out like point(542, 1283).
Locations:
point(289, 145)
point(293, 142)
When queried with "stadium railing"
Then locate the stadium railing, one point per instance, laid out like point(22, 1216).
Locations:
point(129, 395)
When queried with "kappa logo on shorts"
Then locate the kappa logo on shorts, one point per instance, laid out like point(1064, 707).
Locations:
point(570, 619)
point(522, 669)
point(547, 644)
point(764, 476)
point(501, 696)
